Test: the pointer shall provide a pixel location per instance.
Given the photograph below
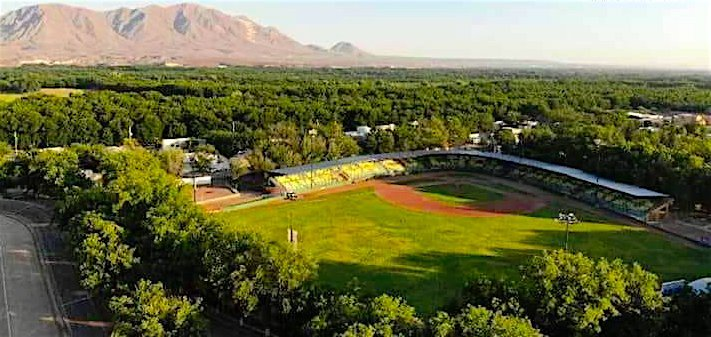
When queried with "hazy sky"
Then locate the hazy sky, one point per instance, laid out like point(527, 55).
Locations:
point(663, 33)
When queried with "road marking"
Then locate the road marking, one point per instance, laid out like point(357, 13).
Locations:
point(4, 287)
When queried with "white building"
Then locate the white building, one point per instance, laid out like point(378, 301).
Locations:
point(642, 116)
point(515, 131)
point(385, 127)
point(360, 132)
point(180, 143)
point(529, 124)
point(476, 138)
point(364, 130)
point(647, 119)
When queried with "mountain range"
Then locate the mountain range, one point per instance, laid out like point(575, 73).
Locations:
point(183, 34)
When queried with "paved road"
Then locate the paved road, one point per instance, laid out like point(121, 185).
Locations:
point(25, 305)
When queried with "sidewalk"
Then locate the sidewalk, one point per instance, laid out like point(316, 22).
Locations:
point(79, 316)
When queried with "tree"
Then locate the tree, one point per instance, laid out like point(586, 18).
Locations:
point(480, 322)
point(205, 148)
point(501, 296)
point(640, 314)
point(335, 313)
point(338, 144)
point(458, 132)
point(507, 140)
point(689, 315)
point(386, 141)
point(7, 166)
point(313, 148)
point(103, 258)
point(408, 138)
point(148, 311)
point(245, 272)
point(259, 162)
point(434, 133)
point(238, 167)
point(569, 294)
point(229, 143)
point(5, 149)
point(150, 129)
point(380, 141)
point(202, 162)
point(51, 172)
point(172, 161)
point(346, 315)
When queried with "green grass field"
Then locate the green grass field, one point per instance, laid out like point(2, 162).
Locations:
point(5, 97)
point(59, 92)
point(427, 258)
point(460, 193)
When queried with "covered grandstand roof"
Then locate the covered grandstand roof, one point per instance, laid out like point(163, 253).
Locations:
point(559, 169)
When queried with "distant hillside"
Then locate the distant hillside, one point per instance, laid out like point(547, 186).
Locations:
point(347, 48)
point(184, 34)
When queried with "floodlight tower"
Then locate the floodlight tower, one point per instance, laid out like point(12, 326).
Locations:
point(568, 219)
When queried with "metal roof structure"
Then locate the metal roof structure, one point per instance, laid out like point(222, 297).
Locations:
point(581, 175)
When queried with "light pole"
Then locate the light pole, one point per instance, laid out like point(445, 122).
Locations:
point(597, 142)
point(311, 163)
point(568, 219)
point(194, 189)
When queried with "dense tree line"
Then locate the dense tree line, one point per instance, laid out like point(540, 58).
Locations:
point(274, 112)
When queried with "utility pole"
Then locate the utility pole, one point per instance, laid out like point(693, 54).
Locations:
point(15, 135)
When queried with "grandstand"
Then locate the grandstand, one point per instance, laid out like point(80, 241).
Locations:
point(631, 201)
point(336, 174)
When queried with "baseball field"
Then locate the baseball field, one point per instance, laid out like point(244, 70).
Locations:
point(424, 237)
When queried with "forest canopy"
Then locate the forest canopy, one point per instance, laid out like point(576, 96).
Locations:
point(275, 112)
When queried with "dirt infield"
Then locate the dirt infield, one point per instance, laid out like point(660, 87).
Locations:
point(405, 196)
point(393, 191)
point(215, 198)
point(409, 197)
point(208, 193)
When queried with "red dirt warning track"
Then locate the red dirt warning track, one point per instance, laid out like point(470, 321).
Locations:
point(408, 197)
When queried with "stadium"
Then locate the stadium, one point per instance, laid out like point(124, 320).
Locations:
point(634, 202)
point(421, 224)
